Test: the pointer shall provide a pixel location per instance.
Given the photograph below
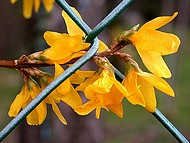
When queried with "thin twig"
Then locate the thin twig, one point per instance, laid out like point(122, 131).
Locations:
point(14, 65)
point(7, 64)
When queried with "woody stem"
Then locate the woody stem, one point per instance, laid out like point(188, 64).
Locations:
point(14, 65)
point(113, 50)
point(7, 64)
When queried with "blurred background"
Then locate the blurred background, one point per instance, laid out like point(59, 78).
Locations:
point(19, 36)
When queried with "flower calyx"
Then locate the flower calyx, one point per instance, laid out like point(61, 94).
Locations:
point(122, 39)
point(28, 72)
point(104, 63)
point(131, 64)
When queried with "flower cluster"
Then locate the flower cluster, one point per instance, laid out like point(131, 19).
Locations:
point(29, 4)
point(65, 93)
point(101, 89)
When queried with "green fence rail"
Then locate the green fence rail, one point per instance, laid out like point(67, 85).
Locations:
point(92, 38)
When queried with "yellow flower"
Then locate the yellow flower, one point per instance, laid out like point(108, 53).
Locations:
point(29, 4)
point(140, 86)
point(151, 44)
point(103, 91)
point(53, 98)
point(64, 92)
point(63, 47)
point(70, 97)
point(73, 29)
point(79, 76)
point(29, 91)
point(87, 81)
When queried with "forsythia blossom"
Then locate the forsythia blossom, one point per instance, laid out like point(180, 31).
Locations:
point(73, 29)
point(63, 47)
point(151, 44)
point(101, 88)
point(29, 91)
point(29, 4)
point(140, 86)
point(103, 91)
point(64, 92)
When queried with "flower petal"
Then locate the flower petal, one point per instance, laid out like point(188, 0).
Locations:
point(176, 43)
point(113, 101)
point(65, 47)
point(18, 102)
point(155, 63)
point(88, 107)
point(93, 90)
point(79, 76)
point(64, 87)
point(158, 22)
point(116, 95)
point(130, 83)
point(41, 109)
point(72, 27)
point(98, 110)
point(42, 112)
point(105, 82)
point(27, 8)
point(72, 98)
point(32, 118)
point(157, 82)
point(58, 112)
point(148, 93)
point(87, 82)
point(13, 1)
point(153, 40)
point(36, 5)
point(121, 88)
point(68, 58)
point(102, 46)
point(48, 4)
point(117, 109)
point(52, 37)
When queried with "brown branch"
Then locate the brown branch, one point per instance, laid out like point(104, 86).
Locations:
point(113, 49)
point(30, 65)
point(7, 64)
point(123, 56)
point(14, 64)
point(25, 62)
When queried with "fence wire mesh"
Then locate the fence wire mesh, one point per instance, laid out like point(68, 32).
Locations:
point(91, 38)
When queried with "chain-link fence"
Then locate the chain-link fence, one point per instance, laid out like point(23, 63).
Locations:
point(91, 38)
